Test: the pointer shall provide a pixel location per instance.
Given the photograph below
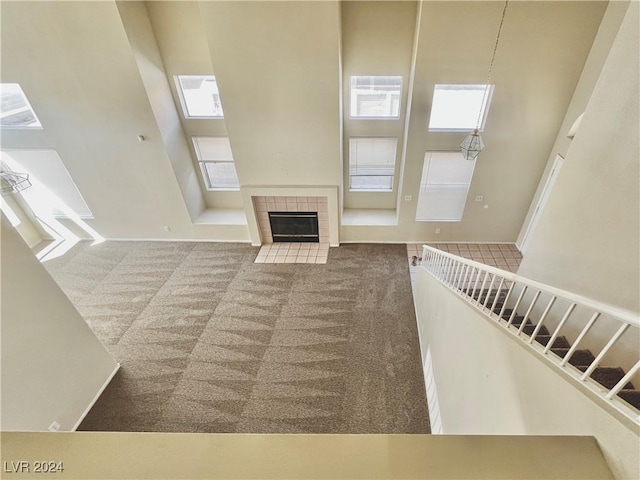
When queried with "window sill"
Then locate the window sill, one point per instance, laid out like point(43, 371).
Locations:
point(370, 190)
point(369, 217)
point(222, 216)
point(374, 118)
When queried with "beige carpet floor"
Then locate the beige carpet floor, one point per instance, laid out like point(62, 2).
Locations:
point(211, 342)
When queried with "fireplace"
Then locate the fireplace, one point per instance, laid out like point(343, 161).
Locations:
point(294, 226)
point(287, 205)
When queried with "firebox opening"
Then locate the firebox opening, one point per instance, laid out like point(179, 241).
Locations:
point(294, 226)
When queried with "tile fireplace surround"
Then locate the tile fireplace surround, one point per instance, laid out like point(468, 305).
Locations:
point(282, 252)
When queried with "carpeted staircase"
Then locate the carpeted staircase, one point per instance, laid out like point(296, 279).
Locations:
point(581, 358)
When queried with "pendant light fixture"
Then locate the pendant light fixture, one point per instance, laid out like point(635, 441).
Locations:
point(472, 145)
point(13, 182)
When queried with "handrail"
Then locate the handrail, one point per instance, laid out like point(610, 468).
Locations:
point(622, 314)
point(516, 294)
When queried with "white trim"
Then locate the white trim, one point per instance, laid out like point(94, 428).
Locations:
point(95, 399)
point(433, 405)
point(488, 96)
point(574, 128)
point(541, 203)
point(420, 242)
point(375, 241)
point(375, 117)
point(200, 240)
point(183, 102)
point(28, 107)
point(621, 314)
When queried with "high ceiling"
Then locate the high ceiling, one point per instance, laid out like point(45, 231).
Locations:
point(99, 74)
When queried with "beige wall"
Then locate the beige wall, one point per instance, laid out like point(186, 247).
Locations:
point(279, 71)
point(277, 67)
point(53, 366)
point(28, 227)
point(183, 46)
point(542, 50)
point(147, 57)
point(377, 39)
point(488, 383)
point(205, 456)
point(588, 237)
point(76, 67)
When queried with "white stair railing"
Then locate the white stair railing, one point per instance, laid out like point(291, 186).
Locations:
point(555, 323)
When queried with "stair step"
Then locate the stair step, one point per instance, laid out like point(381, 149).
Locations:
point(528, 329)
point(559, 342)
point(543, 332)
point(492, 296)
point(484, 293)
point(631, 396)
point(579, 357)
point(609, 377)
point(517, 320)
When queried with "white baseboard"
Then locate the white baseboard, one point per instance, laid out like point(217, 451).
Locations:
point(388, 242)
point(402, 242)
point(95, 399)
point(191, 240)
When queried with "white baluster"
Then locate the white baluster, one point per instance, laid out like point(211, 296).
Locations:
point(544, 315)
point(486, 298)
point(484, 282)
point(504, 305)
point(604, 351)
point(526, 315)
point(495, 300)
point(515, 307)
point(584, 331)
point(556, 332)
point(623, 381)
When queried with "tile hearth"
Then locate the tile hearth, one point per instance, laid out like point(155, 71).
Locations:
point(283, 252)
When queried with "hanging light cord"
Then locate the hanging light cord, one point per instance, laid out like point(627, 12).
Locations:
point(493, 57)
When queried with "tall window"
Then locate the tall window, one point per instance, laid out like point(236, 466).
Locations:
point(216, 162)
point(15, 109)
point(46, 169)
point(199, 96)
point(445, 182)
point(456, 108)
point(375, 97)
point(372, 163)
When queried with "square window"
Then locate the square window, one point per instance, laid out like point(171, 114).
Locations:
point(375, 97)
point(216, 162)
point(372, 163)
point(220, 175)
point(199, 96)
point(456, 108)
point(15, 109)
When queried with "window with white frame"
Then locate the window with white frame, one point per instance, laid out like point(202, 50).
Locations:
point(216, 162)
point(456, 108)
point(444, 186)
point(199, 96)
point(53, 189)
point(15, 109)
point(375, 96)
point(372, 163)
